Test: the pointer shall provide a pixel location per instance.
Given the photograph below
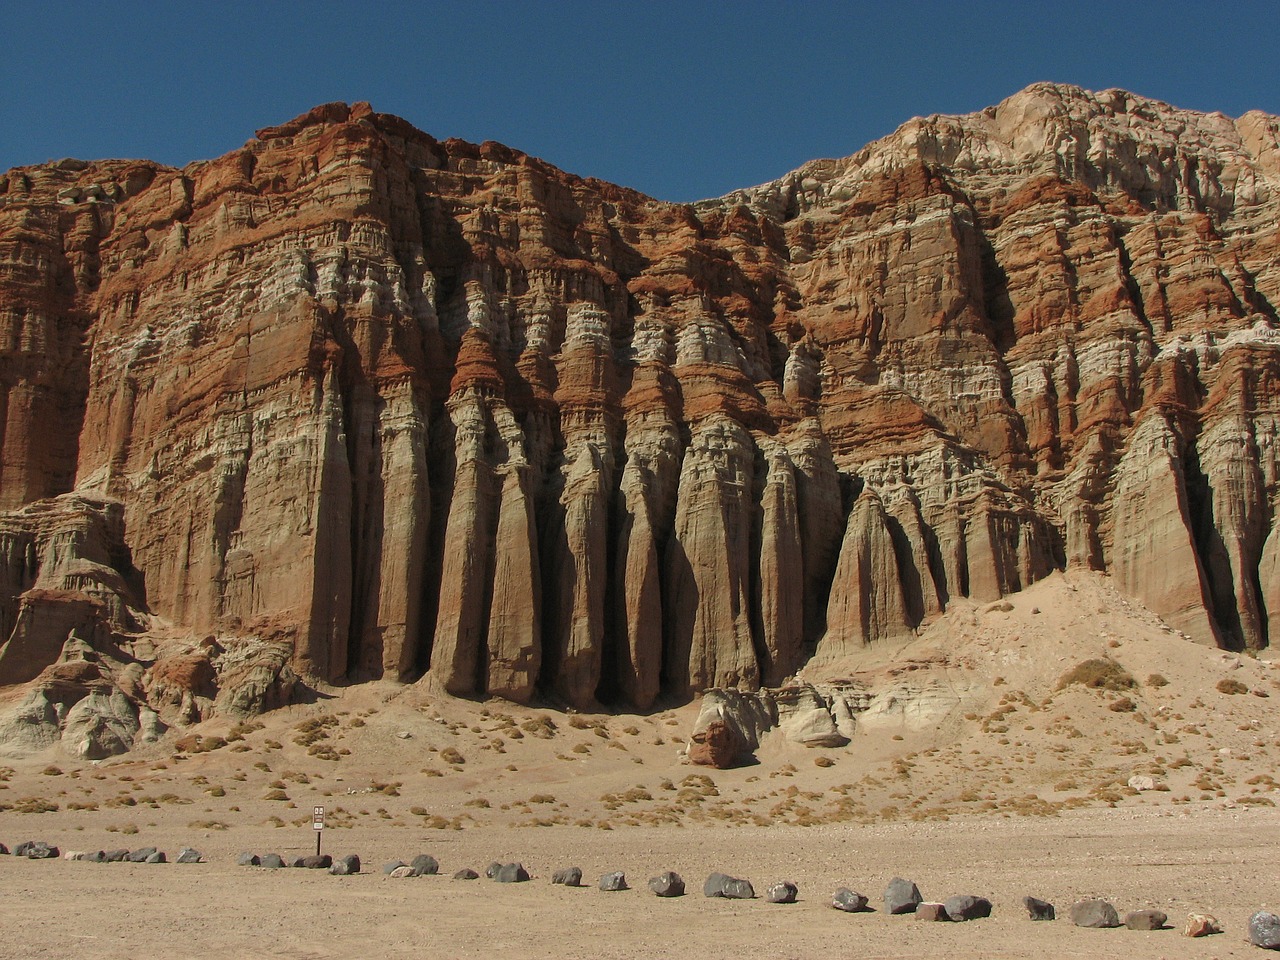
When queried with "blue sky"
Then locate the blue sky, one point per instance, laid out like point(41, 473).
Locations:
point(681, 100)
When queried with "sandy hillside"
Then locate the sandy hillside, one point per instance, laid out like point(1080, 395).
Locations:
point(976, 770)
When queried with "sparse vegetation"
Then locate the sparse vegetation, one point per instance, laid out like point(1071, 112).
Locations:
point(1098, 674)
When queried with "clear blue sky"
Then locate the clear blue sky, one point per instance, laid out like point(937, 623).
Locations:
point(682, 100)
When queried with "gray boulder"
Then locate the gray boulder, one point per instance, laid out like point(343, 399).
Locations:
point(392, 865)
point(312, 862)
point(247, 859)
point(157, 857)
point(1039, 909)
point(4, 851)
point(116, 856)
point(965, 907)
point(669, 884)
point(568, 876)
point(901, 896)
point(491, 871)
point(273, 861)
point(95, 856)
point(140, 855)
point(345, 866)
point(511, 873)
point(1145, 919)
point(466, 873)
point(36, 850)
point(848, 901)
point(731, 888)
point(1094, 913)
point(424, 865)
point(612, 882)
point(1264, 930)
point(188, 855)
point(782, 892)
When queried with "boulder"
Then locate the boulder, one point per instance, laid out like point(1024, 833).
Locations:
point(1094, 913)
point(273, 861)
point(611, 882)
point(805, 718)
point(1201, 925)
point(1039, 909)
point(729, 726)
point(901, 896)
point(1264, 930)
point(716, 746)
point(188, 855)
point(466, 873)
point(116, 856)
point(74, 855)
point(157, 857)
point(849, 901)
point(39, 850)
point(4, 851)
point(731, 888)
point(669, 884)
point(95, 856)
point(392, 865)
point(491, 871)
point(140, 855)
point(782, 892)
point(401, 872)
point(932, 911)
point(424, 865)
point(511, 873)
point(568, 876)
point(965, 907)
point(345, 866)
point(1145, 919)
point(313, 862)
point(249, 860)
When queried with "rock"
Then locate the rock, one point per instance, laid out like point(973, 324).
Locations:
point(249, 860)
point(491, 871)
point(614, 881)
point(36, 850)
point(95, 856)
point(312, 862)
point(568, 876)
point(965, 907)
point(466, 873)
point(4, 851)
point(401, 873)
point(1094, 913)
point(511, 873)
point(1039, 909)
point(782, 892)
point(901, 896)
point(1145, 919)
point(933, 911)
point(140, 855)
point(159, 857)
point(1142, 783)
point(1200, 925)
point(392, 865)
point(716, 746)
point(669, 884)
point(74, 855)
point(345, 866)
point(424, 865)
point(188, 855)
point(272, 861)
point(804, 717)
point(849, 901)
point(1264, 930)
point(722, 885)
point(117, 856)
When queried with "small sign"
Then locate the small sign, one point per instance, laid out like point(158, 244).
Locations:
point(317, 818)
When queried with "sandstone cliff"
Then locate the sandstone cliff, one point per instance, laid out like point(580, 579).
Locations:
point(423, 410)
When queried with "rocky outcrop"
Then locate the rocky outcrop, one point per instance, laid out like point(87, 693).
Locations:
point(386, 407)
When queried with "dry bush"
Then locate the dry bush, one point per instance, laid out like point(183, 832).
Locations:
point(1231, 686)
point(1157, 680)
point(1098, 674)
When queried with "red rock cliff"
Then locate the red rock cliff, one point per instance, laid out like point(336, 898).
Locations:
point(431, 409)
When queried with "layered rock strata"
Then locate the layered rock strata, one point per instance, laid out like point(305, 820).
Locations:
point(412, 409)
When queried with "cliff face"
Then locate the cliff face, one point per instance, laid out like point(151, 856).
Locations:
point(420, 409)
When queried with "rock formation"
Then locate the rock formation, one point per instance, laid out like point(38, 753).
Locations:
point(413, 410)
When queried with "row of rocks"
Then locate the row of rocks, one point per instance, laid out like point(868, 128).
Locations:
point(341, 867)
point(42, 850)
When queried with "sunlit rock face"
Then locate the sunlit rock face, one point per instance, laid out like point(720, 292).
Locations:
point(435, 412)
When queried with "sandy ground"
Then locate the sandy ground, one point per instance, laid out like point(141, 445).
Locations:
point(988, 777)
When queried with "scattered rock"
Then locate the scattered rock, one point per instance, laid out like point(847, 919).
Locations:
point(511, 873)
point(669, 884)
point(4, 851)
point(901, 896)
point(466, 873)
point(1145, 919)
point(1094, 913)
point(188, 855)
point(849, 901)
point(401, 872)
point(1142, 783)
point(739, 890)
point(249, 860)
point(313, 862)
point(611, 882)
point(568, 876)
point(424, 865)
point(1264, 930)
point(965, 907)
point(932, 911)
point(345, 866)
point(782, 892)
point(273, 861)
point(1201, 925)
point(96, 856)
point(74, 855)
point(393, 865)
point(492, 869)
point(141, 854)
point(157, 857)
point(1039, 909)
point(36, 850)
point(116, 856)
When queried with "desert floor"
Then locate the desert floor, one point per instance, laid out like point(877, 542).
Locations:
point(987, 776)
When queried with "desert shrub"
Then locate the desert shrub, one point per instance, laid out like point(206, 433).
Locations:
point(1098, 674)
point(1228, 685)
point(452, 755)
point(1123, 705)
point(1157, 680)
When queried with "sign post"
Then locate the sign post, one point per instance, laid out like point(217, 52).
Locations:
point(317, 824)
